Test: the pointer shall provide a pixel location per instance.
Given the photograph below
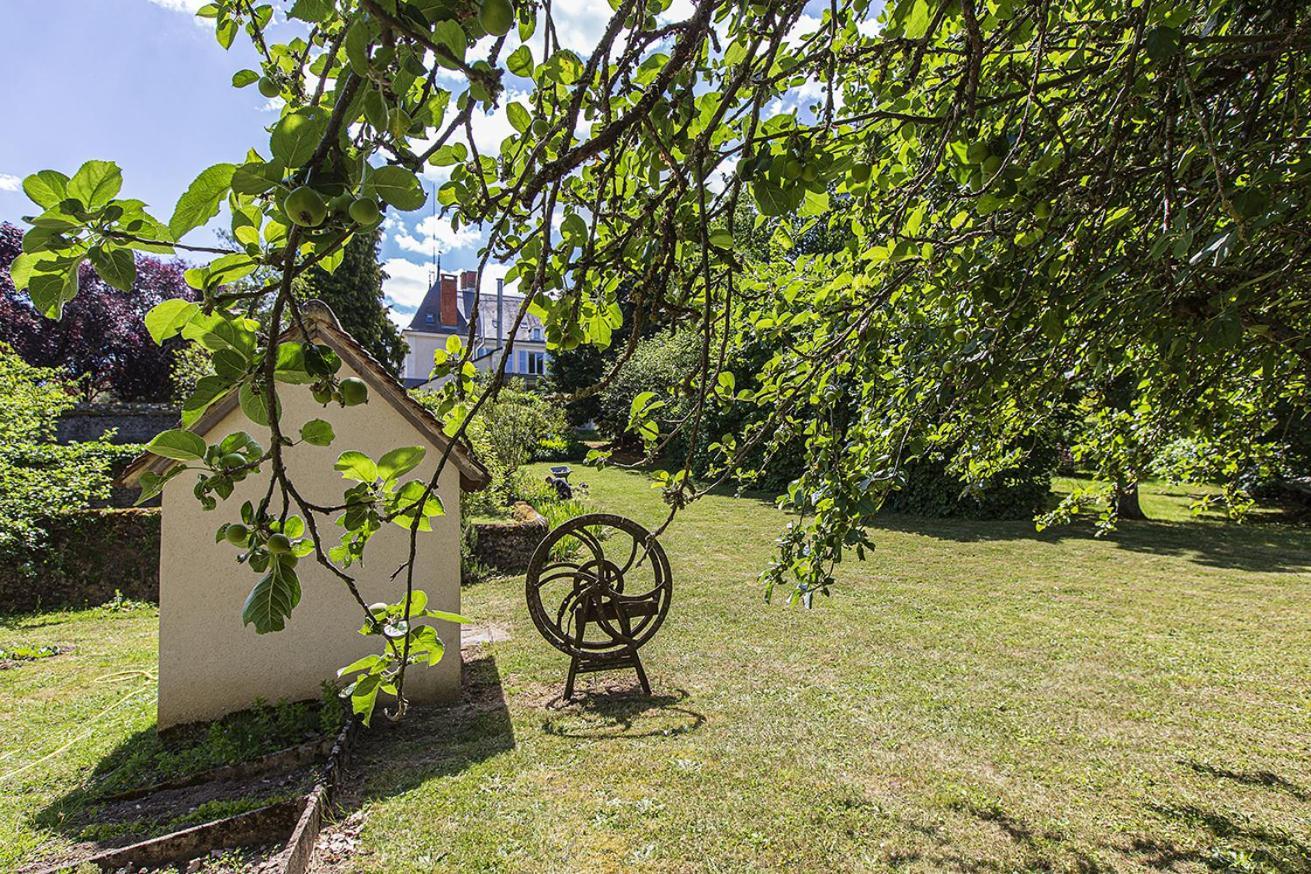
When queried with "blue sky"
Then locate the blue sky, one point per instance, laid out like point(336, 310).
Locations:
point(143, 83)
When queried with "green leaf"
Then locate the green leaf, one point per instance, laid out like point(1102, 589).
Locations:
point(405, 506)
point(519, 117)
point(398, 187)
point(425, 643)
point(270, 603)
point(50, 291)
point(364, 696)
point(365, 663)
point(640, 404)
point(917, 16)
point(356, 466)
point(449, 34)
point(256, 177)
point(1162, 43)
point(311, 10)
point(253, 404)
point(770, 199)
point(317, 432)
point(46, 187)
point(200, 202)
point(289, 366)
point(116, 266)
point(399, 462)
point(242, 78)
point(520, 62)
point(28, 264)
point(95, 183)
point(208, 390)
point(152, 483)
point(297, 136)
point(217, 331)
point(178, 445)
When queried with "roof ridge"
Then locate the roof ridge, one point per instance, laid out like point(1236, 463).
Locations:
point(320, 320)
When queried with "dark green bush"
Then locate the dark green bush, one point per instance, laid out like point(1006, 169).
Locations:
point(1021, 493)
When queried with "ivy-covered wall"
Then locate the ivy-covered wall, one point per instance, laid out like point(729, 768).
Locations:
point(86, 557)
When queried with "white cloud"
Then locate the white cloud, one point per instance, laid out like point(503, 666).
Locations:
point(806, 25)
point(10, 183)
point(489, 130)
point(406, 282)
point(580, 23)
point(436, 231)
point(391, 223)
point(188, 6)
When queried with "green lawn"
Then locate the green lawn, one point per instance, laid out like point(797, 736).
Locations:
point(974, 696)
point(79, 727)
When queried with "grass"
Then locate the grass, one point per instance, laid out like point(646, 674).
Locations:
point(975, 696)
point(79, 727)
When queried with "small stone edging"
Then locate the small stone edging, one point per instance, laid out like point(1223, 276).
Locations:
point(300, 846)
point(271, 763)
point(508, 546)
point(301, 818)
point(252, 827)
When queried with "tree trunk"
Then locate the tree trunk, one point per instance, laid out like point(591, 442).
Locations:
point(1126, 501)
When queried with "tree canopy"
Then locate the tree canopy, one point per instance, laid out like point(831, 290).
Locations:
point(1098, 206)
point(101, 345)
point(354, 292)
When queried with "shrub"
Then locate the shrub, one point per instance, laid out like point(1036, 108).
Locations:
point(656, 363)
point(506, 436)
point(101, 344)
point(39, 478)
point(933, 490)
point(559, 447)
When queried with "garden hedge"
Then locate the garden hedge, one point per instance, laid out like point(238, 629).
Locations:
point(87, 558)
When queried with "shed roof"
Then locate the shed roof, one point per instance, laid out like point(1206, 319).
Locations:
point(321, 326)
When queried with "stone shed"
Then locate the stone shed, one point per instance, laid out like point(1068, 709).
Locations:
point(209, 662)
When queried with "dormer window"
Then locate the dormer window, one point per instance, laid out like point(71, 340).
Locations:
point(427, 317)
point(537, 334)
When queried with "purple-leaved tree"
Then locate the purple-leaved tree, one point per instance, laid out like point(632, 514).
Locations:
point(102, 342)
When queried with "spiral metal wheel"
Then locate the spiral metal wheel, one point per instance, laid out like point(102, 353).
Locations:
point(598, 588)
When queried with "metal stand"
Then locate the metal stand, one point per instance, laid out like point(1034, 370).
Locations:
point(584, 663)
point(598, 609)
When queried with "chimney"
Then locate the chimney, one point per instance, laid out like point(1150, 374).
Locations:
point(468, 278)
point(500, 309)
point(450, 311)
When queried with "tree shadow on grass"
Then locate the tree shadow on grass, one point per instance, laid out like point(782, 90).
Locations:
point(1041, 849)
point(154, 782)
point(1251, 547)
point(432, 740)
point(617, 711)
point(1268, 779)
point(1228, 841)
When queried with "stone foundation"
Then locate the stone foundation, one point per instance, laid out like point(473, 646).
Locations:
point(508, 546)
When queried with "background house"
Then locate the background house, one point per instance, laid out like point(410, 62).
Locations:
point(447, 308)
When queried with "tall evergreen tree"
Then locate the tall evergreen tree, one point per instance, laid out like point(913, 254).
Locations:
point(354, 291)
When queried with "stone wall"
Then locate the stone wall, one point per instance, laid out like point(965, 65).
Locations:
point(508, 546)
point(133, 423)
point(86, 557)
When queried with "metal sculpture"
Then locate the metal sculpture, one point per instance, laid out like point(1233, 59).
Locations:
point(595, 610)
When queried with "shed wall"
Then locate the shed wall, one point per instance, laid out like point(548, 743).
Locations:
point(209, 663)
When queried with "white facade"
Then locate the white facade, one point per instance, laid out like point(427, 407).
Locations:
point(446, 310)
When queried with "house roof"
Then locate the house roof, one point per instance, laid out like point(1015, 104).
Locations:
point(431, 306)
point(428, 317)
point(321, 326)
